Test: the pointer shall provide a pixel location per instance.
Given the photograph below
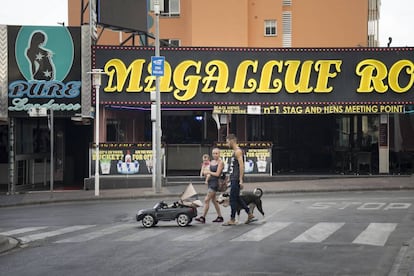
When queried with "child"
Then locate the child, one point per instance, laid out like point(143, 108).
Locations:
point(205, 166)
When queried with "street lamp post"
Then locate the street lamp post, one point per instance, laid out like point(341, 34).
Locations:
point(156, 108)
point(52, 161)
point(96, 82)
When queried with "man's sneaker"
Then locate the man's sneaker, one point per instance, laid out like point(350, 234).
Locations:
point(250, 218)
point(218, 219)
point(230, 223)
point(201, 219)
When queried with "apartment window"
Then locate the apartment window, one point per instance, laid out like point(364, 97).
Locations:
point(171, 8)
point(170, 42)
point(174, 42)
point(270, 28)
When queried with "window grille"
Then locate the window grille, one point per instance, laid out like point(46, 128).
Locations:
point(287, 2)
point(287, 29)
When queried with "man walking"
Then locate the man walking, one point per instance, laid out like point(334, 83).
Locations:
point(236, 170)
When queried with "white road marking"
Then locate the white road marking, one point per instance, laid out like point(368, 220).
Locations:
point(142, 235)
point(97, 234)
point(367, 206)
point(44, 235)
point(204, 233)
point(376, 234)
point(261, 232)
point(319, 232)
point(372, 206)
point(22, 230)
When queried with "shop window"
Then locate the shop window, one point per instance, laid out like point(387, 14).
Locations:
point(358, 132)
point(344, 129)
point(270, 28)
point(115, 130)
point(185, 128)
point(4, 142)
point(32, 136)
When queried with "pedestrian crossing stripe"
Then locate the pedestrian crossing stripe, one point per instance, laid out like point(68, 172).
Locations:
point(375, 234)
point(205, 233)
point(40, 236)
point(262, 231)
point(22, 230)
point(98, 233)
point(143, 235)
point(318, 233)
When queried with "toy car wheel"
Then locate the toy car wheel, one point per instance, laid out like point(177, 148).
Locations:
point(148, 221)
point(183, 220)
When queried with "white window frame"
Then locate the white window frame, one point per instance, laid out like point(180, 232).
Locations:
point(167, 10)
point(269, 24)
point(177, 40)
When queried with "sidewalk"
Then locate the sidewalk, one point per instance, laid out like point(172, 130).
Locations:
point(361, 183)
point(316, 185)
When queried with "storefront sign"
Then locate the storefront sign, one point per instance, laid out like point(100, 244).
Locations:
point(248, 76)
point(310, 109)
point(44, 69)
point(257, 157)
point(123, 159)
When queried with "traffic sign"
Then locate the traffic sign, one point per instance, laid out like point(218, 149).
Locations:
point(157, 66)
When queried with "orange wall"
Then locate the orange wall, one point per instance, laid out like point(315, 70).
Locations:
point(329, 23)
point(178, 27)
point(202, 23)
point(259, 11)
point(240, 23)
point(224, 26)
point(74, 8)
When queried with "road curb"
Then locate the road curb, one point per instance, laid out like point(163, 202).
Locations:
point(404, 262)
point(7, 243)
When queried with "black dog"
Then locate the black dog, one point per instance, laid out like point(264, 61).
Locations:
point(252, 199)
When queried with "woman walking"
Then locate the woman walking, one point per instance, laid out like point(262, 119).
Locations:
point(212, 174)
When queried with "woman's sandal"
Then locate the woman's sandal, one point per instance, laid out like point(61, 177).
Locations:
point(218, 219)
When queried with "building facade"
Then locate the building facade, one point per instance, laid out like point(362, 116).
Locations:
point(337, 136)
point(328, 143)
point(257, 23)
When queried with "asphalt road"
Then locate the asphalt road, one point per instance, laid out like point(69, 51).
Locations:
point(347, 233)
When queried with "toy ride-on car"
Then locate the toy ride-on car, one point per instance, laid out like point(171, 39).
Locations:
point(183, 210)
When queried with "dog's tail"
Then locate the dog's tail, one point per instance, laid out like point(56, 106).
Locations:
point(258, 192)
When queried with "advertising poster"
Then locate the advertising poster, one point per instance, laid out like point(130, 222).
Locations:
point(123, 159)
point(257, 157)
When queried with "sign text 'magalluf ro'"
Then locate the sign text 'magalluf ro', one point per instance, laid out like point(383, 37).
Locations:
point(206, 76)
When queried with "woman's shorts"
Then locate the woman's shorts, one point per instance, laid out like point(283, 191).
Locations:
point(211, 190)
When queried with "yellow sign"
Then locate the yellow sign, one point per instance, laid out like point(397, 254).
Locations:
point(314, 109)
point(214, 77)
